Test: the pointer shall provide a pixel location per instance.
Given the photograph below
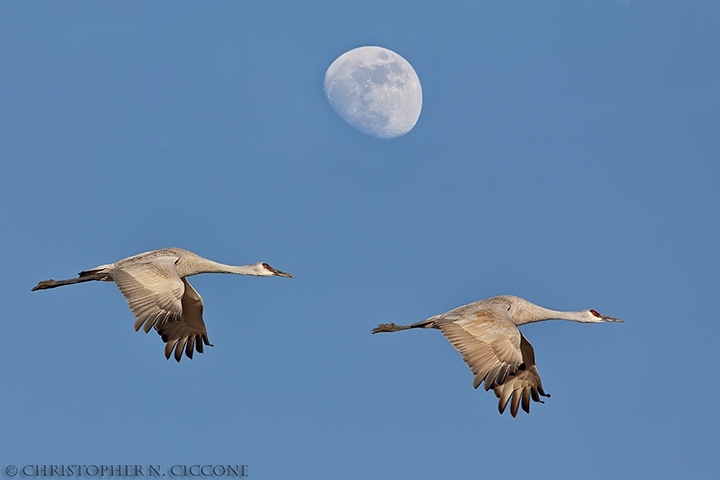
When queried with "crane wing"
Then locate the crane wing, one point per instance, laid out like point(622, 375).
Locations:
point(188, 334)
point(500, 356)
point(523, 385)
point(153, 291)
point(489, 344)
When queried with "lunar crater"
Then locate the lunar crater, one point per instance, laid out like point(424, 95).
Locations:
point(375, 90)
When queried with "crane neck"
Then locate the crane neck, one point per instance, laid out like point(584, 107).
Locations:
point(203, 265)
point(535, 313)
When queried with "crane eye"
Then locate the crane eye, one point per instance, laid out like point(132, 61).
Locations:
point(267, 267)
point(596, 313)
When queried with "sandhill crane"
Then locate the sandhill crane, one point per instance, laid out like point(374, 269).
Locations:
point(160, 296)
point(486, 335)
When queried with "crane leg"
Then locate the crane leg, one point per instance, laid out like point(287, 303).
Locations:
point(391, 327)
point(45, 284)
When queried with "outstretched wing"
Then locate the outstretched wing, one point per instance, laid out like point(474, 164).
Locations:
point(153, 291)
point(488, 343)
point(188, 334)
point(523, 385)
point(498, 355)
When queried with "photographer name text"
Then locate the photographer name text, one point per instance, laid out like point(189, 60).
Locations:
point(73, 470)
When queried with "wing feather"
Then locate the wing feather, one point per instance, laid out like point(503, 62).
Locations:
point(524, 385)
point(498, 355)
point(160, 299)
point(489, 344)
point(153, 291)
point(189, 333)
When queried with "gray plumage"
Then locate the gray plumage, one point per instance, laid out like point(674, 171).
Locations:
point(487, 336)
point(160, 296)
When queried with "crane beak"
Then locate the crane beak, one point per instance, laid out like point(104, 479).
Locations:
point(612, 319)
point(279, 273)
point(273, 271)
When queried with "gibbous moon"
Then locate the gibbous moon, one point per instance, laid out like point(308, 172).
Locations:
point(375, 90)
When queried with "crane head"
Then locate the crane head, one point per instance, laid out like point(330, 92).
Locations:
point(265, 270)
point(598, 317)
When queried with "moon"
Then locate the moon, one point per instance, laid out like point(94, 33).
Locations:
point(375, 90)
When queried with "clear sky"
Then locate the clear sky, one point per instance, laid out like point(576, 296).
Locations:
point(567, 152)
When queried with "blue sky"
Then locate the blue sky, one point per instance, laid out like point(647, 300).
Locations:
point(567, 152)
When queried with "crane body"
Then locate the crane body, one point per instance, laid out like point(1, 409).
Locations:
point(487, 336)
point(159, 295)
